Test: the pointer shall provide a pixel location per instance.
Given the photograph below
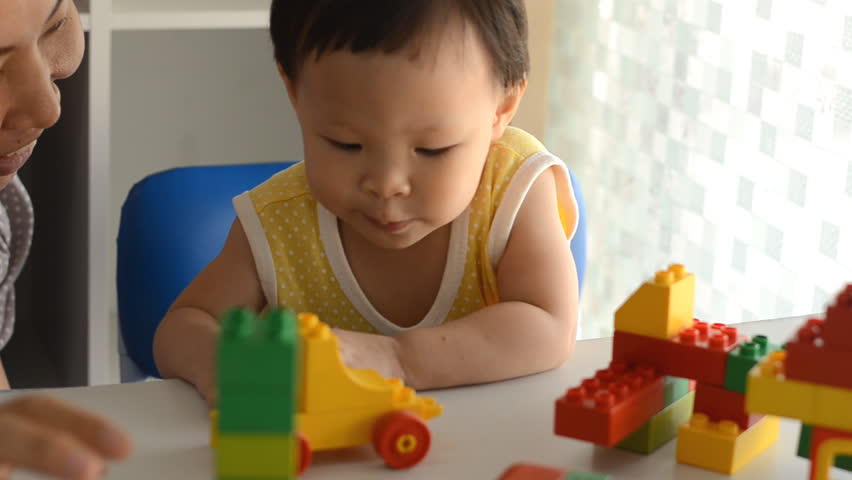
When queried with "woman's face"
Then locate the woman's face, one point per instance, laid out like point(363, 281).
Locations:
point(40, 41)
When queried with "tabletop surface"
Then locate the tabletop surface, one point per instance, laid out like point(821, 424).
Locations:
point(484, 429)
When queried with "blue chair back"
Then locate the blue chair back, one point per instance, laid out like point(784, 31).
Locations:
point(174, 223)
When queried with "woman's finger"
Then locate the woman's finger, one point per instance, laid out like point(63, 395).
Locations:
point(98, 434)
point(25, 444)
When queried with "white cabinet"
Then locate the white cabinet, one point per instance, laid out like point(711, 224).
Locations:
point(165, 83)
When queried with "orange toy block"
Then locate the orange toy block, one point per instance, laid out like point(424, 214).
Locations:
point(810, 358)
point(720, 404)
point(660, 307)
point(699, 352)
point(838, 322)
point(607, 408)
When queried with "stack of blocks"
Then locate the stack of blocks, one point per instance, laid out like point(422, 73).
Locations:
point(257, 378)
point(656, 339)
point(812, 381)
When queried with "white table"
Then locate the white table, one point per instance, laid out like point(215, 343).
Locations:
point(484, 429)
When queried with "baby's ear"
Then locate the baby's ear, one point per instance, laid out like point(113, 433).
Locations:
point(506, 109)
point(288, 84)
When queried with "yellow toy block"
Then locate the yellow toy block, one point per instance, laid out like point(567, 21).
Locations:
point(214, 429)
point(722, 446)
point(828, 451)
point(768, 391)
point(257, 456)
point(661, 307)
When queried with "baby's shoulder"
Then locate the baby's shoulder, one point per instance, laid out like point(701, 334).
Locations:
point(285, 186)
point(517, 143)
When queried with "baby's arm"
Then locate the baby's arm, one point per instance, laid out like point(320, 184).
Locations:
point(185, 342)
point(532, 329)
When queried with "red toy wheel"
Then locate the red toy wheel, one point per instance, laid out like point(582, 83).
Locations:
point(401, 438)
point(304, 454)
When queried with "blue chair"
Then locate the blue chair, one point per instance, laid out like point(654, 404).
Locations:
point(173, 224)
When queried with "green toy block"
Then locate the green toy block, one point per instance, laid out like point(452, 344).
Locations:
point(587, 476)
point(258, 372)
point(661, 428)
point(258, 352)
point(742, 359)
point(255, 412)
point(675, 389)
point(804, 450)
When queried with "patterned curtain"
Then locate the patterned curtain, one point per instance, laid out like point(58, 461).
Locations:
point(714, 133)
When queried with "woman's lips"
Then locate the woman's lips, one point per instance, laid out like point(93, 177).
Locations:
point(12, 162)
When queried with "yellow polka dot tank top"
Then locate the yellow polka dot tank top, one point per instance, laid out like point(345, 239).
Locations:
point(301, 263)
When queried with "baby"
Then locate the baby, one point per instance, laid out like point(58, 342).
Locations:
point(429, 233)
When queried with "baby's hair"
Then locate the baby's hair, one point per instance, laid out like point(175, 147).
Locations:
point(301, 28)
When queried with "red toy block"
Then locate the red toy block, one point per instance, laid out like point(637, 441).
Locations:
point(528, 471)
point(699, 352)
point(838, 322)
point(810, 359)
point(720, 404)
point(607, 408)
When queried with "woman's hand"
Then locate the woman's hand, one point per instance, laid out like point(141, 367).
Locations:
point(45, 435)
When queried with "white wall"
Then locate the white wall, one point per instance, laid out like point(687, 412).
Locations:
point(194, 98)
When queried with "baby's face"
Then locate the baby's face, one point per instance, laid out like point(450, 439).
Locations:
point(395, 145)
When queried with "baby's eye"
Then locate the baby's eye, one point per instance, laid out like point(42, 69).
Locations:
point(346, 147)
point(433, 152)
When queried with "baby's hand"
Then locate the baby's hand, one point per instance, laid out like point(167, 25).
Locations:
point(45, 435)
point(207, 388)
point(366, 350)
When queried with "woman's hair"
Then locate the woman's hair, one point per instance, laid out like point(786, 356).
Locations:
point(301, 28)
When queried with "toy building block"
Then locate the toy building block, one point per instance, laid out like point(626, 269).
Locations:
point(345, 407)
point(827, 447)
point(607, 408)
point(661, 428)
point(256, 456)
point(770, 392)
point(257, 372)
point(723, 447)
point(838, 322)
point(720, 404)
point(254, 428)
point(587, 476)
point(824, 452)
point(810, 359)
point(335, 406)
point(660, 307)
point(743, 358)
point(804, 449)
point(699, 352)
point(528, 471)
point(677, 388)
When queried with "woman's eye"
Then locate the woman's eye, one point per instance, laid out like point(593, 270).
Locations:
point(56, 26)
point(433, 152)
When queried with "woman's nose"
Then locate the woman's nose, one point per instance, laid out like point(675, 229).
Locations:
point(35, 98)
